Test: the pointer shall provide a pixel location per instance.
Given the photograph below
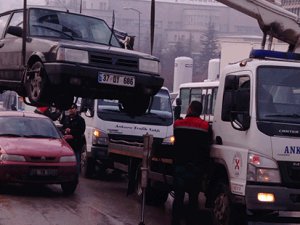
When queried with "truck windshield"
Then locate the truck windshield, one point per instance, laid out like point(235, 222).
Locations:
point(160, 112)
point(278, 94)
point(64, 25)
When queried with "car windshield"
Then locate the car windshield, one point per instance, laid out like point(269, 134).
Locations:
point(278, 94)
point(27, 127)
point(64, 25)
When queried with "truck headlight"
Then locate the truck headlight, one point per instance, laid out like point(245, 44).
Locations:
point(168, 140)
point(12, 158)
point(72, 55)
point(99, 137)
point(262, 169)
point(147, 65)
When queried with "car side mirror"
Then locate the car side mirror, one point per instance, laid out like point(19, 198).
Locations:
point(15, 31)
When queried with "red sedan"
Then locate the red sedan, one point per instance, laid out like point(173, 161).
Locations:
point(32, 150)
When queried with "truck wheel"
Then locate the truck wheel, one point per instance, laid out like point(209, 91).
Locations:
point(87, 164)
point(224, 212)
point(36, 83)
point(157, 194)
point(69, 188)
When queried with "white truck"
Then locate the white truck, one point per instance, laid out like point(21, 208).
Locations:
point(107, 122)
point(256, 125)
point(255, 155)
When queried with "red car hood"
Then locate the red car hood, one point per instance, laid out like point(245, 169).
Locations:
point(35, 146)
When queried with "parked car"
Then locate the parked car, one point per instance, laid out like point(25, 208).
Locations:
point(34, 151)
point(59, 55)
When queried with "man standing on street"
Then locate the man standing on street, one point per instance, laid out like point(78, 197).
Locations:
point(191, 149)
point(73, 127)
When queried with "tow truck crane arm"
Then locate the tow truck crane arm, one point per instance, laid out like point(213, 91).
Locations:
point(272, 19)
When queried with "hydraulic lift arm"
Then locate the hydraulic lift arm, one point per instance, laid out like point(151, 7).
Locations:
point(272, 19)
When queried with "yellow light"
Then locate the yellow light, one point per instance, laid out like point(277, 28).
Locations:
point(266, 197)
point(97, 133)
point(172, 139)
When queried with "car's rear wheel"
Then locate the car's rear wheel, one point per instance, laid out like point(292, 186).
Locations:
point(37, 84)
point(69, 188)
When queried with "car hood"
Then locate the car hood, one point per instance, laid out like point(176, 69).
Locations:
point(89, 46)
point(35, 146)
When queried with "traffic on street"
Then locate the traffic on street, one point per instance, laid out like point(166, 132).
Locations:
point(91, 132)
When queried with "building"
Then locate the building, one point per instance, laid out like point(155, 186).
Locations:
point(291, 5)
point(176, 21)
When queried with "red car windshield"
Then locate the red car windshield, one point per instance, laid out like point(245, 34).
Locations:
point(27, 127)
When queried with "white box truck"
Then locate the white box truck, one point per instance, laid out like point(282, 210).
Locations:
point(107, 122)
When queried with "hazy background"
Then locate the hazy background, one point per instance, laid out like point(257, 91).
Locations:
point(11, 4)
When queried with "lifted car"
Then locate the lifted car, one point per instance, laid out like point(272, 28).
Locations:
point(54, 56)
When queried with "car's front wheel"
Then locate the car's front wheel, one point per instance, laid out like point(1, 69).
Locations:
point(36, 84)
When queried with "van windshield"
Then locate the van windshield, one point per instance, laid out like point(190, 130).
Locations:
point(278, 94)
point(160, 112)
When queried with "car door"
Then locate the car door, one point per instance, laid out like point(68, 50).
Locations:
point(11, 52)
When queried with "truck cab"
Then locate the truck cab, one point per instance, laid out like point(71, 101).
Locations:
point(106, 121)
point(256, 150)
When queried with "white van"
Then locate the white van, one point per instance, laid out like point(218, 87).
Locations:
point(106, 121)
point(11, 101)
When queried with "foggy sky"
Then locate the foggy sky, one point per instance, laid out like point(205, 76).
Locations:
point(13, 4)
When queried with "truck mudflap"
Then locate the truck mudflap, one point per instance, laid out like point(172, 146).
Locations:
point(285, 199)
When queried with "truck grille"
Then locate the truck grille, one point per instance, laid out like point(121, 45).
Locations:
point(131, 140)
point(115, 62)
point(290, 174)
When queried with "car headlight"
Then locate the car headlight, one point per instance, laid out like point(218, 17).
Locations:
point(12, 158)
point(147, 65)
point(262, 169)
point(72, 55)
point(168, 140)
point(99, 137)
point(69, 158)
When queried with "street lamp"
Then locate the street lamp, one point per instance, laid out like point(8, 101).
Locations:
point(139, 14)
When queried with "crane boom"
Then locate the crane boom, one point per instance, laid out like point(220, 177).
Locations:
point(272, 19)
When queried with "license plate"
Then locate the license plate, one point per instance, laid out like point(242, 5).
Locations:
point(43, 172)
point(113, 79)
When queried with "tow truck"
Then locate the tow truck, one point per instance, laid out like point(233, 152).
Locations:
point(254, 170)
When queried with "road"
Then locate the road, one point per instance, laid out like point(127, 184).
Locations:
point(95, 202)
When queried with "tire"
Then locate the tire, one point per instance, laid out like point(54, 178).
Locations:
point(69, 188)
point(63, 102)
point(157, 194)
point(87, 164)
point(136, 105)
point(224, 211)
point(36, 84)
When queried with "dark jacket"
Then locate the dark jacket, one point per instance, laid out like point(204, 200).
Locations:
point(77, 126)
point(192, 141)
